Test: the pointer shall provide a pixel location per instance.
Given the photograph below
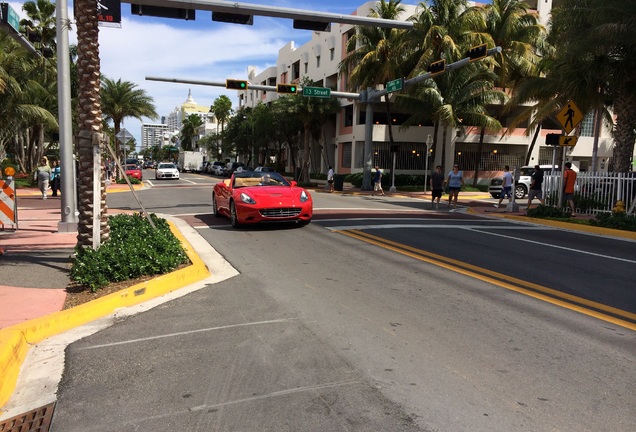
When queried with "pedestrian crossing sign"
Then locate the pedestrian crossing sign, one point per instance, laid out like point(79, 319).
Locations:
point(568, 141)
point(569, 117)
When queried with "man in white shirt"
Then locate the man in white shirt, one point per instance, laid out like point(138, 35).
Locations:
point(506, 190)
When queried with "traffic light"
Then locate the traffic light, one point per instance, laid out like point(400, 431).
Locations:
point(552, 139)
point(232, 18)
point(33, 35)
point(235, 84)
point(437, 67)
point(477, 52)
point(286, 88)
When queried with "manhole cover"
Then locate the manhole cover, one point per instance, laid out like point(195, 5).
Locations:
point(37, 420)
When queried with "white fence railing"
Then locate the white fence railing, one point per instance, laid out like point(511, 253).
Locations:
point(595, 192)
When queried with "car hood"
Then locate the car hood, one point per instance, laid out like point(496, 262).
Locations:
point(271, 192)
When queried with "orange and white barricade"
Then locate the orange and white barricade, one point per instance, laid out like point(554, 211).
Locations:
point(8, 213)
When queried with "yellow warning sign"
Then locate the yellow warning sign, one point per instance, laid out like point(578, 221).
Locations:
point(570, 116)
point(568, 141)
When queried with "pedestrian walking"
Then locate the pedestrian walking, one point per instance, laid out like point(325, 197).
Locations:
point(536, 186)
point(55, 178)
point(330, 178)
point(377, 181)
point(455, 182)
point(437, 186)
point(569, 181)
point(506, 186)
point(43, 176)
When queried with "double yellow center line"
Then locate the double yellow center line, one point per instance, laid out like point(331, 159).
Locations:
point(600, 311)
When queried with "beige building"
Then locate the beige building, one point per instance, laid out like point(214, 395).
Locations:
point(343, 146)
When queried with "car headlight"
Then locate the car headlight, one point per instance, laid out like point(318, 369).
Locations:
point(303, 196)
point(247, 199)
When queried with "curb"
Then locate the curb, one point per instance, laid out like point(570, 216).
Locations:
point(16, 340)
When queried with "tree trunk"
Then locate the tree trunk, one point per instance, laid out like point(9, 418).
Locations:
point(624, 134)
point(89, 122)
point(306, 149)
point(480, 147)
point(534, 141)
point(445, 135)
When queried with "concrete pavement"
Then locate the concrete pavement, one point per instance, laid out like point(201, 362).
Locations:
point(34, 275)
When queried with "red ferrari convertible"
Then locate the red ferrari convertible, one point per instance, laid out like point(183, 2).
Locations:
point(253, 197)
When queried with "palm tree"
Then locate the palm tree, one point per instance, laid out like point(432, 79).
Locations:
point(221, 108)
point(189, 131)
point(89, 124)
point(122, 99)
point(374, 58)
point(309, 111)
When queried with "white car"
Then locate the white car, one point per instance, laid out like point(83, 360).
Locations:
point(166, 170)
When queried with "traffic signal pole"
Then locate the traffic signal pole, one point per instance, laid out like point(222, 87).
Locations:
point(368, 97)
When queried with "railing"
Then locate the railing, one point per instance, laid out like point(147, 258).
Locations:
point(594, 192)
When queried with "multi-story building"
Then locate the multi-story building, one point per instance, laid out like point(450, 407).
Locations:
point(152, 135)
point(344, 147)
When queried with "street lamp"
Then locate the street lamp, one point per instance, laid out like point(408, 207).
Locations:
point(429, 144)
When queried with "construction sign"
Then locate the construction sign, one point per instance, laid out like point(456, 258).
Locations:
point(8, 215)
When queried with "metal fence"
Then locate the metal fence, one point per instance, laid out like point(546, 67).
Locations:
point(595, 192)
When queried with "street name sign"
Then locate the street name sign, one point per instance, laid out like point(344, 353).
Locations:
point(9, 16)
point(569, 117)
point(319, 92)
point(395, 85)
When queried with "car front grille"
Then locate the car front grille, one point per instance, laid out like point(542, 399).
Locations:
point(280, 212)
point(496, 182)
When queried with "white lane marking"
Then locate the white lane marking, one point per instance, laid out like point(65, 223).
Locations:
point(403, 219)
point(169, 335)
point(206, 407)
point(480, 230)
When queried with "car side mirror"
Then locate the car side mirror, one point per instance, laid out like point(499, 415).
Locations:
point(294, 183)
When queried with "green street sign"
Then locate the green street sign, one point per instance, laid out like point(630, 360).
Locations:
point(395, 85)
point(319, 92)
point(10, 17)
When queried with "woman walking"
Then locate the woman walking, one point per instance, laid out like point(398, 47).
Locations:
point(455, 182)
point(43, 176)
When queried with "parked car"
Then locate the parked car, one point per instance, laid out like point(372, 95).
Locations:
point(250, 197)
point(217, 168)
point(134, 171)
point(166, 170)
point(522, 186)
point(148, 164)
point(232, 167)
point(264, 169)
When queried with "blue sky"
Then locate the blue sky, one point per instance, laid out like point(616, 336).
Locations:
point(197, 50)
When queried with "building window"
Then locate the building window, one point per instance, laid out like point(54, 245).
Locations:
point(306, 67)
point(345, 162)
point(332, 54)
point(587, 125)
point(317, 61)
point(348, 118)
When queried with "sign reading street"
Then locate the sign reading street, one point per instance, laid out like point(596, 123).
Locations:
point(395, 85)
point(10, 17)
point(569, 117)
point(319, 92)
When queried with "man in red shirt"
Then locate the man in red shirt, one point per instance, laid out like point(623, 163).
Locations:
point(569, 179)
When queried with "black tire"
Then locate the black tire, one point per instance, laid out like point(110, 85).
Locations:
point(520, 191)
point(304, 223)
point(233, 216)
point(215, 208)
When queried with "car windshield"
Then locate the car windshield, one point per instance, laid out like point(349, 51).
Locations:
point(245, 179)
point(131, 167)
point(166, 166)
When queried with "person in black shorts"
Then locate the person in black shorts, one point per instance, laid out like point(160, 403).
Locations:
point(536, 186)
point(437, 186)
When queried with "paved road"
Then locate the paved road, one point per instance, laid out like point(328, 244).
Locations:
point(331, 329)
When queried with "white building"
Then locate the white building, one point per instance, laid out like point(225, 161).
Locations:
point(152, 135)
point(318, 60)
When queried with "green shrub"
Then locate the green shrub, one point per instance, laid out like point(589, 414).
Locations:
point(621, 221)
point(133, 180)
point(134, 249)
point(545, 212)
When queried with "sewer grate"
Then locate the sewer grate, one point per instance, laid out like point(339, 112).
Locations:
point(37, 420)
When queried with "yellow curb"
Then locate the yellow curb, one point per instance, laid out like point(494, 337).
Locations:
point(566, 225)
point(16, 340)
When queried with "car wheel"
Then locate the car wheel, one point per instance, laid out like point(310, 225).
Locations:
point(303, 223)
point(215, 208)
point(520, 192)
point(234, 216)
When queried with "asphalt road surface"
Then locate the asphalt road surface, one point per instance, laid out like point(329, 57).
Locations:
point(380, 315)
